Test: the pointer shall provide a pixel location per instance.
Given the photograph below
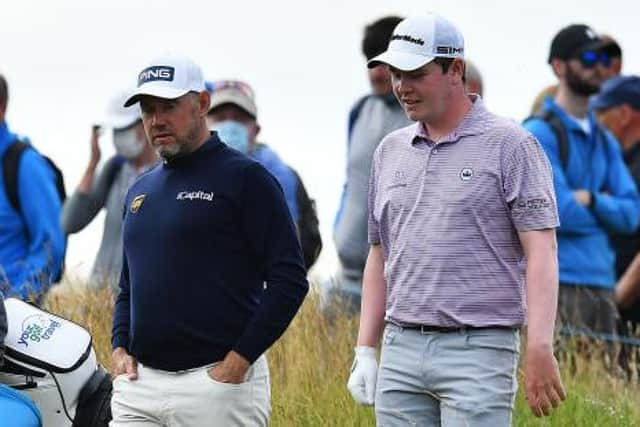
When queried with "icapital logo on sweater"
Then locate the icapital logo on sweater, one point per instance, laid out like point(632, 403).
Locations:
point(195, 195)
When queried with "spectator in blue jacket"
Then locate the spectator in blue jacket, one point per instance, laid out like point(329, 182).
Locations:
point(595, 192)
point(234, 115)
point(31, 241)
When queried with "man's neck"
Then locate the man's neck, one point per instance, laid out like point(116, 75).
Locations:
point(147, 157)
point(575, 105)
point(451, 119)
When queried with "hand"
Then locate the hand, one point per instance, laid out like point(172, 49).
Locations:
point(543, 385)
point(583, 197)
point(364, 373)
point(95, 147)
point(123, 363)
point(233, 369)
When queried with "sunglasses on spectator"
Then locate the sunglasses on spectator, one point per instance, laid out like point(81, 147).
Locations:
point(230, 84)
point(590, 58)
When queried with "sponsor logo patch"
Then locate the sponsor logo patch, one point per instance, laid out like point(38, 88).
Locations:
point(195, 195)
point(37, 328)
point(136, 204)
point(408, 38)
point(156, 73)
point(466, 174)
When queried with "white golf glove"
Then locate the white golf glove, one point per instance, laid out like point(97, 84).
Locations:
point(364, 373)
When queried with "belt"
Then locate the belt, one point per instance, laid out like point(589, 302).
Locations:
point(427, 329)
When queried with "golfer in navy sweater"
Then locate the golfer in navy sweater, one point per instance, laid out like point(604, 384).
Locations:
point(212, 273)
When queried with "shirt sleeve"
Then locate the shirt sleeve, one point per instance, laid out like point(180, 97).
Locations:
point(267, 225)
point(373, 224)
point(574, 218)
point(528, 184)
point(80, 209)
point(122, 311)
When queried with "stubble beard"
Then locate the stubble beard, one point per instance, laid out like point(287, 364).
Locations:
point(579, 86)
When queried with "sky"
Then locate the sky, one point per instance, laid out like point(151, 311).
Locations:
point(65, 59)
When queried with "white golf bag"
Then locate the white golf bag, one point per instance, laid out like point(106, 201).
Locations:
point(52, 361)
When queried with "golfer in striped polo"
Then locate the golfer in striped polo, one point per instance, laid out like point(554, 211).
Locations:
point(462, 220)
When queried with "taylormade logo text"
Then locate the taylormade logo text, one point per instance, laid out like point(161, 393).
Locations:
point(407, 38)
point(195, 195)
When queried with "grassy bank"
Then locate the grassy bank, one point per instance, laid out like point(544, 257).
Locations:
point(310, 366)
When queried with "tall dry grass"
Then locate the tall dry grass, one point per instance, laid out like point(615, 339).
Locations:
point(310, 366)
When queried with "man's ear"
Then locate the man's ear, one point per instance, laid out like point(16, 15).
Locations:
point(204, 100)
point(625, 113)
point(559, 67)
point(457, 69)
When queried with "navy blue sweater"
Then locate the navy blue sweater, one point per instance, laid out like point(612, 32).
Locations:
point(202, 236)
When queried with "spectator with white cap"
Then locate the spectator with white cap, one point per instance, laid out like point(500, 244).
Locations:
point(459, 202)
point(108, 190)
point(212, 271)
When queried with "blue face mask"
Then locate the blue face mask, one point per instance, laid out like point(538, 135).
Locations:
point(234, 134)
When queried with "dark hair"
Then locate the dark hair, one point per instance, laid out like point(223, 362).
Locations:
point(377, 35)
point(612, 49)
point(4, 91)
point(445, 64)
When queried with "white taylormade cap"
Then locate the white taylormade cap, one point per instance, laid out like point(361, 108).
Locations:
point(168, 77)
point(417, 40)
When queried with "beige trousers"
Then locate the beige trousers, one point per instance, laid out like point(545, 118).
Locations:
point(191, 398)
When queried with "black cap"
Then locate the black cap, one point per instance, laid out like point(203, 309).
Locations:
point(571, 40)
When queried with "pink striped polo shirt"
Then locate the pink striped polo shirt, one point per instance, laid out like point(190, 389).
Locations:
point(447, 217)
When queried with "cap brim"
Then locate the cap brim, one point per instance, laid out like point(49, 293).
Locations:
point(157, 91)
point(401, 60)
point(230, 98)
point(599, 102)
point(121, 122)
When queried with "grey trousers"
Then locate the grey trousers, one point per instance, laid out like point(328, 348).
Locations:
point(465, 378)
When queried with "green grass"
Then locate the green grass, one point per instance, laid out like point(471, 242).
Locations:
point(310, 365)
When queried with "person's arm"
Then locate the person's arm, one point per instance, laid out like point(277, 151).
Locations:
point(87, 178)
point(373, 299)
point(121, 361)
point(364, 371)
point(84, 204)
point(618, 206)
point(40, 205)
point(543, 385)
point(574, 217)
point(628, 287)
point(267, 225)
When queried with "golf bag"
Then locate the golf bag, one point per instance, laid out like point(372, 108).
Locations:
point(51, 360)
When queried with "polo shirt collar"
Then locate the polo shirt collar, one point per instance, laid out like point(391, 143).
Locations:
point(475, 122)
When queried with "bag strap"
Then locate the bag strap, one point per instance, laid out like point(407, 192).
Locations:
point(10, 169)
point(559, 131)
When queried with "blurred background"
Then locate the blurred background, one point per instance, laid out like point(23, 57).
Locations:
point(65, 59)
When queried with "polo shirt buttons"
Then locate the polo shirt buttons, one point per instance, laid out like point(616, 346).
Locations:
point(434, 151)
